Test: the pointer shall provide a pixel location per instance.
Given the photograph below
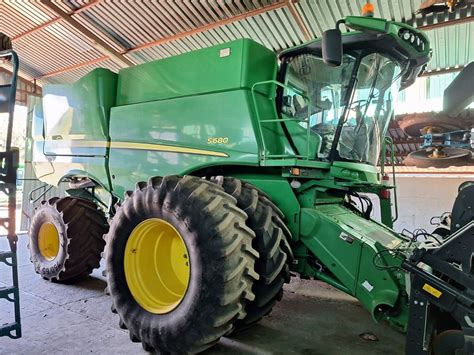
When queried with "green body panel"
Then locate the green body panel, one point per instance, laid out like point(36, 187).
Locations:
point(386, 212)
point(79, 112)
point(299, 137)
point(362, 173)
point(191, 121)
point(359, 23)
point(76, 129)
point(263, 109)
point(229, 66)
point(346, 244)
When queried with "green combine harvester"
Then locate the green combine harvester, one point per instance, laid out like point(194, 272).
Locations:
point(225, 169)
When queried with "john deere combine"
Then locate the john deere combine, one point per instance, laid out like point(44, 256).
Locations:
point(226, 168)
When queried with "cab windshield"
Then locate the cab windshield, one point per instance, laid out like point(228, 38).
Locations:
point(349, 106)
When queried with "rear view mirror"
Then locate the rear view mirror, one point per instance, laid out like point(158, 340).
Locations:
point(332, 47)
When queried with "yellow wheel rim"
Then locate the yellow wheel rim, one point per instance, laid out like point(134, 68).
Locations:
point(157, 267)
point(48, 241)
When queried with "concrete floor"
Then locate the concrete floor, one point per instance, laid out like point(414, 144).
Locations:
point(312, 318)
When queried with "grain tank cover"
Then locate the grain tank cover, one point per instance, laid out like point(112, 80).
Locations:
point(80, 109)
point(234, 65)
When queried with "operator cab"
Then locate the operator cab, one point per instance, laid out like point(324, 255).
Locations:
point(349, 106)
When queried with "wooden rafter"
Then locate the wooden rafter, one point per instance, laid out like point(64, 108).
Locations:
point(178, 36)
point(290, 4)
point(100, 44)
point(56, 19)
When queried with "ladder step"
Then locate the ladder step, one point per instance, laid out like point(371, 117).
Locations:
point(9, 328)
point(5, 292)
point(4, 256)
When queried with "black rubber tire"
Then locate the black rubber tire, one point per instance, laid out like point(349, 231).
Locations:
point(80, 225)
point(221, 257)
point(271, 242)
point(5, 42)
point(449, 342)
point(456, 157)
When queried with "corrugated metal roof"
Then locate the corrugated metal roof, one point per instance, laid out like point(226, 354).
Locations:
point(453, 46)
point(125, 25)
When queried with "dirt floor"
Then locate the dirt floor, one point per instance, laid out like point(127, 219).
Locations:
point(312, 318)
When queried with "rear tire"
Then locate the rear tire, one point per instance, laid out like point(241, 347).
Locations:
point(221, 258)
point(449, 342)
point(271, 242)
point(65, 238)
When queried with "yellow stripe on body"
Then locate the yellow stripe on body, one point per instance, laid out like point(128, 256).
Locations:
point(165, 148)
point(139, 146)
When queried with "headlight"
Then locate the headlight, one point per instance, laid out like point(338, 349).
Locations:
point(412, 38)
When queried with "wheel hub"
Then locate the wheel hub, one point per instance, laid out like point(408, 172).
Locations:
point(48, 241)
point(157, 267)
point(438, 153)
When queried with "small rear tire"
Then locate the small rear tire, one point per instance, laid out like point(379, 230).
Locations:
point(65, 238)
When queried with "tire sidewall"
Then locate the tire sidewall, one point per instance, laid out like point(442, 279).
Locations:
point(48, 268)
point(200, 292)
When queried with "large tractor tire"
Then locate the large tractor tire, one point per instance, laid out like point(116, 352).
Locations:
point(65, 238)
point(180, 264)
point(271, 242)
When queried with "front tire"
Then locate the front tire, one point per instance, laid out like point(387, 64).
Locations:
point(205, 225)
point(65, 238)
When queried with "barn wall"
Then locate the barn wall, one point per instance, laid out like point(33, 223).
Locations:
point(421, 197)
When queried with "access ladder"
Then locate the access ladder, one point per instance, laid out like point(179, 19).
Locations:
point(8, 173)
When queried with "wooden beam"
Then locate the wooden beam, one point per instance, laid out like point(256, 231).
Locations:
point(408, 141)
point(290, 4)
point(398, 154)
point(73, 67)
point(99, 43)
point(442, 71)
point(438, 171)
point(57, 19)
point(208, 27)
point(7, 68)
point(446, 23)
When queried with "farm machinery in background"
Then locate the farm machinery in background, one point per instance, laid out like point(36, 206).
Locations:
point(448, 138)
point(223, 169)
point(436, 6)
